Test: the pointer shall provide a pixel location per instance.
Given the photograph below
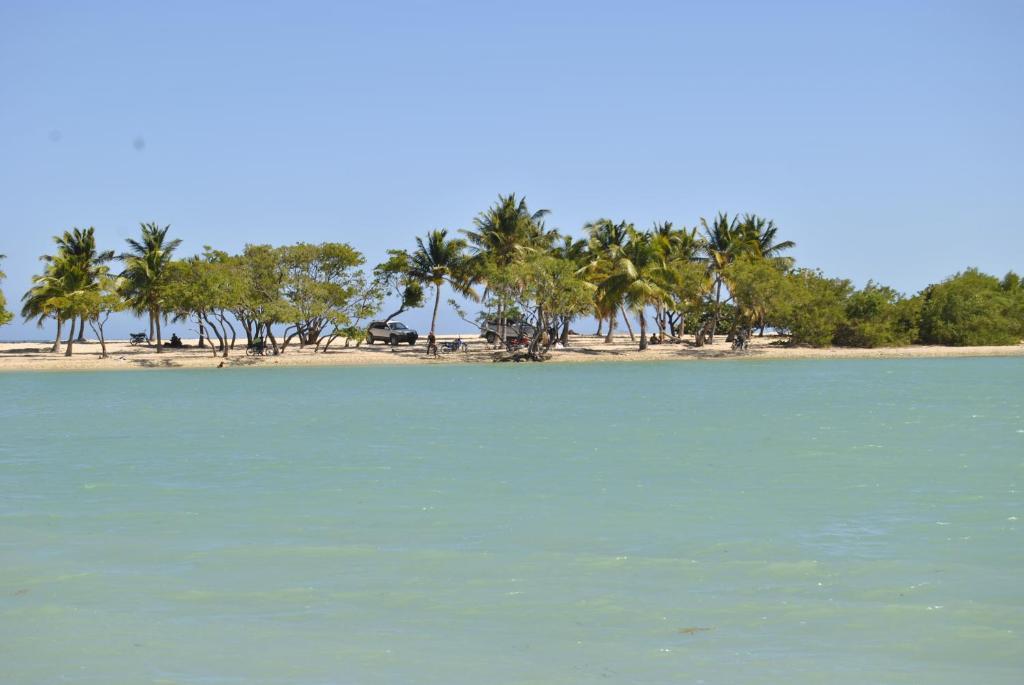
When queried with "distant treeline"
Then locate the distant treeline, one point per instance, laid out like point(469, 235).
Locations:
point(729, 275)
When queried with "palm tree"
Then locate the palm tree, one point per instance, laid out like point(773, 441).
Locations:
point(725, 240)
point(762, 232)
point(678, 251)
point(502, 236)
point(78, 248)
point(605, 238)
point(438, 261)
point(145, 272)
point(637, 277)
point(71, 273)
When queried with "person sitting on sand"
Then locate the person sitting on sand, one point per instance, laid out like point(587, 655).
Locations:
point(175, 341)
point(654, 339)
point(431, 344)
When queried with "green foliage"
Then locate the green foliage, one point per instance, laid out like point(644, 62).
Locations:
point(145, 266)
point(5, 316)
point(812, 307)
point(758, 287)
point(972, 308)
point(878, 316)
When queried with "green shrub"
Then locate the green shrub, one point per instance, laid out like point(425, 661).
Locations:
point(878, 316)
point(812, 307)
point(972, 308)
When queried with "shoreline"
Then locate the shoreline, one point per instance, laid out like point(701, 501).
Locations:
point(20, 356)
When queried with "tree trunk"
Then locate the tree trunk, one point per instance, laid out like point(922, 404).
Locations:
point(600, 325)
point(718, 310)
point(202, 335)
point(643, 330)
point(273, 340)
point(159, 343)
point(81, 330)
point(628, 327)
point(611, 328)
point(71, 338)
point(437, 301)
point(151, 330)
point(56, 341)
point(234, 336)
point(565, 333)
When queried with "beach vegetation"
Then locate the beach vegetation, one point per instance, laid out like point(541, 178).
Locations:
point(5, 316)
point(972, 308)
point(729, 275)
point(145, 274)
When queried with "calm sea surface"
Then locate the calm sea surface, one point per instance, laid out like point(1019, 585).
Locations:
point(736, 522)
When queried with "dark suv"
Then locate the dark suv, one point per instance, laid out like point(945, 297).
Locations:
point(513, 329)
point(392, 332)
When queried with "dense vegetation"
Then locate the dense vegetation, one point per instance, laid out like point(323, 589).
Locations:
point(727, 276)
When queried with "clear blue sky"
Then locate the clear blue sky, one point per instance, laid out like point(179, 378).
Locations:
point(884, 137)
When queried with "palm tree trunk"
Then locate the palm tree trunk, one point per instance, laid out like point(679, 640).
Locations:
point(81, 330)
point(159, 343)
point(150, 339)
point(56, 341)
point(718, 310)
point(628, 327)
point(437, 301)
point(600, 324)
point(643, 330)
point(71, 338)
point(611, 327)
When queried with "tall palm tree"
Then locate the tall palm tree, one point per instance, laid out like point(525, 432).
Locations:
point(145, 272)
point(637, 277)
point(605, 238)
point(725, 240)
point(678, 251)
point(440, 260)
point(762, 232)
point(78, 248)
point(504, 235)
point(74, 270)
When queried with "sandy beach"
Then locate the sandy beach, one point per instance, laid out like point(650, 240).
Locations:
point(35, 356)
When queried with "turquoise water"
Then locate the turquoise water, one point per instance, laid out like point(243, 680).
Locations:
point(725, 522)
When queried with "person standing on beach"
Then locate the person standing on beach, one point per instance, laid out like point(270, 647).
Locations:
point(431, 344)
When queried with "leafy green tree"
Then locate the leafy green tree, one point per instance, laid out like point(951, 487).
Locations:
point(392, 278)
point(878, 316)
point(812, 307)
point(98, 304)
point(145, 273)
point(553, 289)
point(758, 287)
point(970, 308)
point(320, 281)
point(261, 304)
point(203, 290)
point(441, 260)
